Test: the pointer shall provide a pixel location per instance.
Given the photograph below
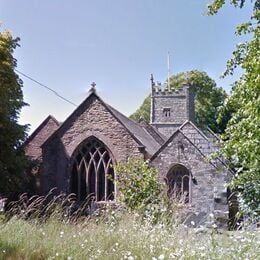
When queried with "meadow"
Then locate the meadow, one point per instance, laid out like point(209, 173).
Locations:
point(120, 236)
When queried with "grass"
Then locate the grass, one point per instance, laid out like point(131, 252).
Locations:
point(43, 228)
point(123, 237)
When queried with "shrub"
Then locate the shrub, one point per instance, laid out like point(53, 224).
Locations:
point(141, 191)
point(138, 183)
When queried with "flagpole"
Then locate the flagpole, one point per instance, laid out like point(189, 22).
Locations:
point(168, 65)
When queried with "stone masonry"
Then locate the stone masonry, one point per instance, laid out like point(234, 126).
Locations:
point(171, 108)
point(171, 139)
point(84, 123)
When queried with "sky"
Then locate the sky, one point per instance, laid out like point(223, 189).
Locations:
point(67, 45)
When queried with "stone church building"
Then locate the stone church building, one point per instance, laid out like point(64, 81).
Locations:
point(79, 154)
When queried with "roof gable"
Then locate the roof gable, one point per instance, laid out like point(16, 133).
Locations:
point(205, 152)
point(178, 131)
point(32, 145)
point(40, 127)
point(135, 130)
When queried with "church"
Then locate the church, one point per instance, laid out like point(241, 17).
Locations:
point(78, 156)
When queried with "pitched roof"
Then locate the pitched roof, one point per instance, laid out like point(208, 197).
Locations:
point(159, 137)
point(142, 137)
point(32, 145)
point(206, 141)
point(40, 127)
point(204, 152)
point(170, 139)
point(151, 145)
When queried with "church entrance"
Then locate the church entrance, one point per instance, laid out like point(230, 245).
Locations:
point(179, 183)
point(92, 172)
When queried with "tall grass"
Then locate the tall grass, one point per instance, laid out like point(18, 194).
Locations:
point(128, 238)
point(112, 233)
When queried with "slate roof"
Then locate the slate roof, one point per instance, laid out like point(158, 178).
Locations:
point(159, 137)
point(40, 127)
point(150, 144)
point(207, 145)
point(142, 137)
point(170, 139)
point(32, 145)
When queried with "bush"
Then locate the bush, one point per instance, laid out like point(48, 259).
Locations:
point(138, 183)
point(141, 191)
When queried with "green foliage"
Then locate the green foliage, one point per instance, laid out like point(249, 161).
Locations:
point(143, 111)
point(57, 229)
point(242, 145)
point(141, 192)
point(208, 100)
point(128, 238)
point(12, 160)
point(138, 183)
point(208, 97)
point(218, 4)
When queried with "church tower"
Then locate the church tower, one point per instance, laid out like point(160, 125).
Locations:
point(171, 108)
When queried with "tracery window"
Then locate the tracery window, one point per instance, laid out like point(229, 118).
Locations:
point(179, 183)
point(92, 172)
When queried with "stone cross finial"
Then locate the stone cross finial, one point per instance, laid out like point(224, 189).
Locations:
point(93, 87)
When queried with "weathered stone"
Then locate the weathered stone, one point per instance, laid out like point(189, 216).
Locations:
point(172, 140)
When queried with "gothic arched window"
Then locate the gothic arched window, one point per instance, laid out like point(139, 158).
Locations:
point(92, 171)
point(179, 182)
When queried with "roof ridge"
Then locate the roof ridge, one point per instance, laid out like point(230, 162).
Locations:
point(171, 138)
point(200, 131)
point(133, 128)
point(40, 127)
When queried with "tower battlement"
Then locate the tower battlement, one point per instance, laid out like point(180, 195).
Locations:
point(170, 108)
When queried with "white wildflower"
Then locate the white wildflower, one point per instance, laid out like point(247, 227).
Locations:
point(161, 257)
point(214, 225)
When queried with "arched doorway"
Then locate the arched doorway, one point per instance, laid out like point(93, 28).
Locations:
point(179, 183)
point(92, 171)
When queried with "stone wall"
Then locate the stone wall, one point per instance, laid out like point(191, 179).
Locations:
point(170, 109)
point(90, 119)
point(208, 194)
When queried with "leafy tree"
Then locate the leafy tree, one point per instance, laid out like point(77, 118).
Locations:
point(143, 111)
point(137, 183)
point(242, 135)
point(208, 100)
point(12, 160)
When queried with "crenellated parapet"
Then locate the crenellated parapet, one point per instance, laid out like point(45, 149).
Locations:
point(170, 108)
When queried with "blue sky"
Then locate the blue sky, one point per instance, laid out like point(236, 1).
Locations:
point(116, 43)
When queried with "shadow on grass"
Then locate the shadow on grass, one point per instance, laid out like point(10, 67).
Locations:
point(13, 252)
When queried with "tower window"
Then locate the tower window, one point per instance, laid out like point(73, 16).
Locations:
point(167, 112)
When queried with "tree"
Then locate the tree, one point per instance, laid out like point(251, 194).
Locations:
point(143, 111)
point(208, 100)
point(137, 183)
point(12, 159)
point(242, 135)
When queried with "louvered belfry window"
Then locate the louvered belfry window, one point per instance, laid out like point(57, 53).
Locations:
point(92, 172)
point(179, 182)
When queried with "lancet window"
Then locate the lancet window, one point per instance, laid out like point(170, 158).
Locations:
point(179, 183)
